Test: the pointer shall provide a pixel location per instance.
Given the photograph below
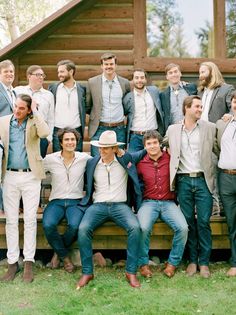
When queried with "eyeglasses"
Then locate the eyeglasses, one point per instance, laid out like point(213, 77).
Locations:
point(39, 75)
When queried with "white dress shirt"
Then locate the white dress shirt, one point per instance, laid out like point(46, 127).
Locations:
point(67, 181)
point(206, 99)
point(45, 101)
point(190, 151)
point(144, 112)
point(227, 158)
point(110, 182)
point(67, 107)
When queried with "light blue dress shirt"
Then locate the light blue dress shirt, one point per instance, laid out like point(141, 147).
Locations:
point(17, 155)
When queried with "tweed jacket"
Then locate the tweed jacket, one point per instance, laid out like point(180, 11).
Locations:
point(94, 100)
point(36, 128)
point(190, 88)
point(5, 103)
point(129, 107)
point(207, 146)
point(134, 194)
point(81, 90)
point(220, 102)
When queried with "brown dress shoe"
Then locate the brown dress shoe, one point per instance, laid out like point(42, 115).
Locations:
point(169, 270)
point(191, 269)
point(231, 272)
point(132, 279)
point(83, 281)
point(28, 275)
point(11, 272)
point(205, 272)
point(55, 261)
point(145, 271)
point(68, 266)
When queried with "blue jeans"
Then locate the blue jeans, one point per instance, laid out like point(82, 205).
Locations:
point(168, 212)
point(43, 146)
point(194, 193)
point(120, 133)
point(135, 143)
point(95, 216)
point(54, 213)
point(227, 187)
point(56, 144)
point(1, 200)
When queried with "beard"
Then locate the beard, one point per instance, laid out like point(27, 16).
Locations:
point(65, 78)
point(205, 81)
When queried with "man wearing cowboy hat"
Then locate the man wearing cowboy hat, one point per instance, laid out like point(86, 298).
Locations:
point(113, 187)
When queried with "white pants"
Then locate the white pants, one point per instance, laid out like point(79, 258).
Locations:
point(15, 186)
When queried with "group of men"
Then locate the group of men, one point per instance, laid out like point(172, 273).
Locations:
point(172, 178)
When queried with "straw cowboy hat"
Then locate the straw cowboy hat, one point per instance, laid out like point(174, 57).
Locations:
point(107, 139)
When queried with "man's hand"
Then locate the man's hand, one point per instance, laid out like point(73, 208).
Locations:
point(34, 106)
point(226, 117)
point(120, 152)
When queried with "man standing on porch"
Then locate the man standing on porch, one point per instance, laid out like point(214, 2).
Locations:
point(104, 101)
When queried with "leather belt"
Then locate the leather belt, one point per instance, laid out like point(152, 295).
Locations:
point(141, 133)
point(19, 169)
point(194, 174)
point(104, 124)
point(231, 172)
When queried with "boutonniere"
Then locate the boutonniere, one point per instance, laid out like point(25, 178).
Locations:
point(129, 165)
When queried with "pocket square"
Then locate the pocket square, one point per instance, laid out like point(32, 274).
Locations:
point(129, 165)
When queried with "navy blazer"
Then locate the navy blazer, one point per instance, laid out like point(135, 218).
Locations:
point(6, 107)
point(129, 109)
point(190, 88)
point(134, 194)
point(81, 90)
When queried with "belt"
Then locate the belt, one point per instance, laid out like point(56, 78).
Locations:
point(19, 170)
point(121, 123)
point(231, 172)
point(141, 133)
point(196, 174)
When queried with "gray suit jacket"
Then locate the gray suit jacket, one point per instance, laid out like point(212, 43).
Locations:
point(5, 102)
point(207, 146)
point(130, 108)
point(220, 101)
point(94, 100)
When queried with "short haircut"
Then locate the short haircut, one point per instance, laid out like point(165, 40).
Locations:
point(233, 95)
point(70, 65)
point(26, 98)
point(170, 66)
point(63, 131)
point(152, 134)
point(108, 55)
point(140, 70)
point(31, 69)
point(5, 64)
point(188, 101)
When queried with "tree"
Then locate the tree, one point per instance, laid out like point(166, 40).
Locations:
point(18, 16)
point(206, 38)
point(164, 29)
point(231, 28)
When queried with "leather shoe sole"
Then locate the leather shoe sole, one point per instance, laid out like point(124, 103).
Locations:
point(83, 281)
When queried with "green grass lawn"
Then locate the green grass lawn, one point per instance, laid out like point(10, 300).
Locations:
point(53, 292)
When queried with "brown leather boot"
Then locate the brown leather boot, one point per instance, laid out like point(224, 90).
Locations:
point(11, 272)
point(28, 275)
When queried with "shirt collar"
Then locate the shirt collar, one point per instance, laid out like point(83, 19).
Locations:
point(180, 86)
point(7, 88)
point(183, 125)
point(104, 79)
point(62, 85)
point(33, 91)
point(100, 161)
point(137, 93)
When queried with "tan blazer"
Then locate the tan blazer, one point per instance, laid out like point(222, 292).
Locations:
point(207, 146)
point(36, 128)
point(94, 100)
